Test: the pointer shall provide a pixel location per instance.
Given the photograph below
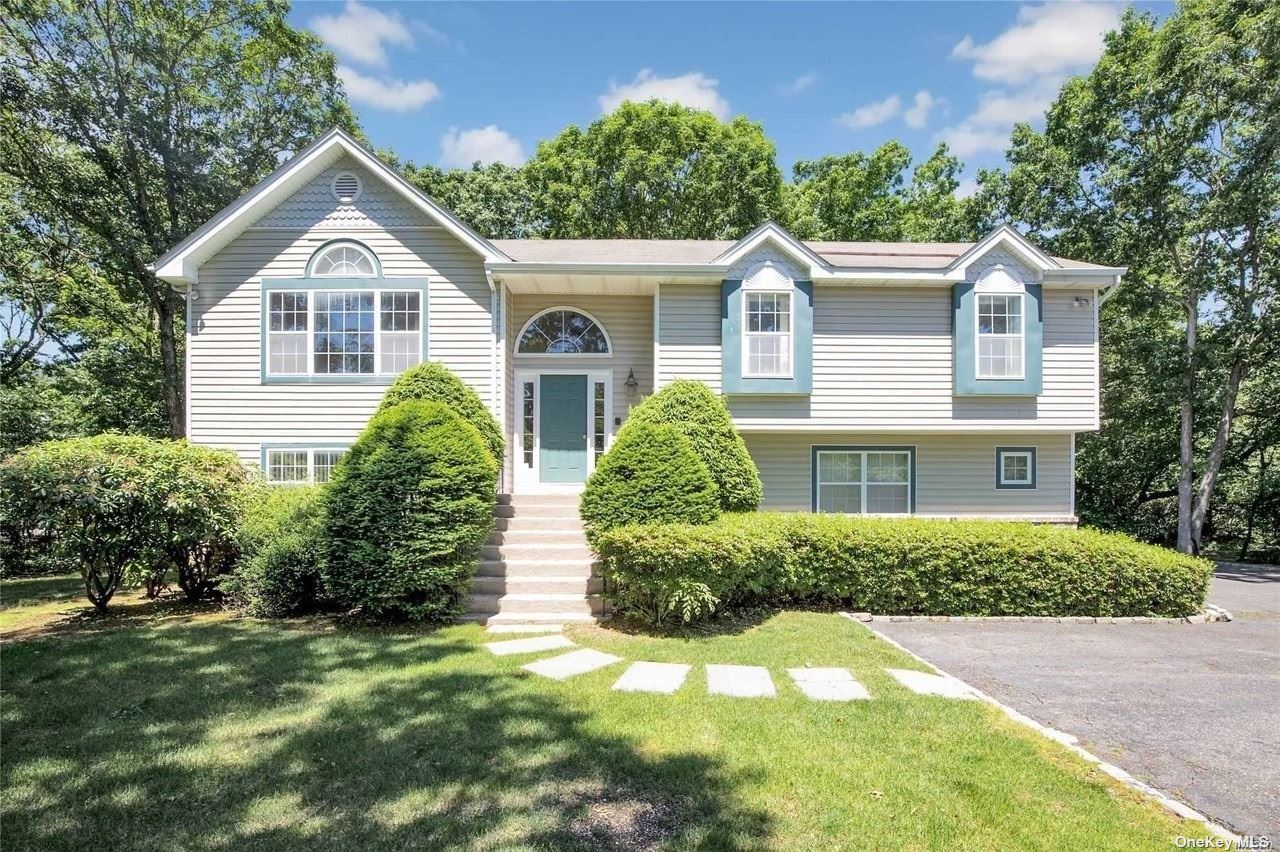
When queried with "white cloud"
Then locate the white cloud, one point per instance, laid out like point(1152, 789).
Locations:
point(1053, 39)
point(917, 115)
point(388, 94)
point(1032, 58)
point(360, 33)
point(798, 85)
point(460, 148)
point(694, 89)
point(869, 115)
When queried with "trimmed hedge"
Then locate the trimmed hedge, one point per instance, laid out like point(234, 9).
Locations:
point(282, 546)
point(906, 566)
point(120, 505)
point(406, 511)
point(433, 382)
point(650, 475)
point(702, 417)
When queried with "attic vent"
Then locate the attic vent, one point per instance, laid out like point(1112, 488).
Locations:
point(346, 187)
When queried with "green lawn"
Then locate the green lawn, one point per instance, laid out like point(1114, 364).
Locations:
point(197, 731)
point(31, 599)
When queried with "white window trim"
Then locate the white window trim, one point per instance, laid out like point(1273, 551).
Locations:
point(747, 334)
point(337, 244)
point(978, 335)
point(526, 479)
point(608, 341)
point(910, 483)
point(1030, 482)
point(311, 462)
point(311, 326)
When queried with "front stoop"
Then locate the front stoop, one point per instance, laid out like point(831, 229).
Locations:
point(536, 567)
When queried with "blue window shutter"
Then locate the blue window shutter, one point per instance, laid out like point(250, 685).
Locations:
point(731, 378)
point(964, 304)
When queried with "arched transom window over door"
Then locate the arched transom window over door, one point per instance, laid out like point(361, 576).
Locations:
point(563, 331)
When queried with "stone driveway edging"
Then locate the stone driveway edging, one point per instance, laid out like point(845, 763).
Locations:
point(1211, 614)
point(1069, 741)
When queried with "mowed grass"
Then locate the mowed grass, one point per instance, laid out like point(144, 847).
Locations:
point(204, 732)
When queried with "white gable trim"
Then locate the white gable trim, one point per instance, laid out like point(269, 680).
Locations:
point(771, 232)
point(180, 263)
point(1009, 239)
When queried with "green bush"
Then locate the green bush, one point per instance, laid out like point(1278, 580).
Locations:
point(702, 417)
point(281, 544)
point(906, 566)
point(118, 504)
point(650, 475)
point(433, 382)
point(406, 512)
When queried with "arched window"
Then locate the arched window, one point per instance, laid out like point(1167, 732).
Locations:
point(343, 260)
point(563, 331)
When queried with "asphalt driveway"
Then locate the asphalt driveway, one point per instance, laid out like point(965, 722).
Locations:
point(1193, 709)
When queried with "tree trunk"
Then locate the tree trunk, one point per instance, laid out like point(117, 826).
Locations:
point(167, 310)
point(1239, 368)
point(1186, 442)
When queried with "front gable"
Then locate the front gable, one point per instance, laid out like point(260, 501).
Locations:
point(316, 206)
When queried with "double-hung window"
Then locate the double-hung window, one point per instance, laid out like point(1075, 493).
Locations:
point(301, 465)
point(766, 336)
point(1001, 342)
point(318, 327)
point(863, 480)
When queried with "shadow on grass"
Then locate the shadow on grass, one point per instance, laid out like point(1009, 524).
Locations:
point(25, 591)
point(244, 735)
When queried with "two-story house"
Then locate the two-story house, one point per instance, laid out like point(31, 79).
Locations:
point(935, 379)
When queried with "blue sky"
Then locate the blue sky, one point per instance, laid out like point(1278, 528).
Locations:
point(448, 83)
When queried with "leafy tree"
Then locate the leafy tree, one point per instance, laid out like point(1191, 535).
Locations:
point(1164, 159)
point(494, 200)
point(867, 197)
point(655, 171)
point(130, 122)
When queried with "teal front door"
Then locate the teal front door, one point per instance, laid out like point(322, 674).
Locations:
point(562, 430)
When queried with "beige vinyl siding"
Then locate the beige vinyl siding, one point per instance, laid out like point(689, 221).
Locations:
point(229, 404)
point(628, 320)
point(955, 474)
point(882, 358)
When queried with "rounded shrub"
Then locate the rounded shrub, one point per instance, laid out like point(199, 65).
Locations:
point(433, 382)
point(281, 546)
point(650, 475)
point(118, 504)
point(702, 417)
point(406, 512)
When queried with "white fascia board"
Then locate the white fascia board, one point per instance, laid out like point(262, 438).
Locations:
point(665, 270)
point(771, 231)
point(179, 264)
point(1010, 238)
point(976, 427)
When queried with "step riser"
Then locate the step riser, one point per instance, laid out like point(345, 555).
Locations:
point(538, 585)
point(528, 618)
point(493, 605)
point(522, 568)
point(547, 510)
point(571, 552)
point(519, 538)
point(550, 525)
point(540, 500)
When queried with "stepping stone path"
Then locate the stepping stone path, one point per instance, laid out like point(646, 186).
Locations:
point(740, 681)
point(664, 678)
point(573, 663)
point(817, 684)
point(932, 684)
point(530, 646)
point(828, 684)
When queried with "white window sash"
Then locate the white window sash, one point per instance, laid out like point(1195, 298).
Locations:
point(865, 479)
point(310, 453)
point(748, 335)
point(1020, 337)
point(377, 327)
point(1012, 454)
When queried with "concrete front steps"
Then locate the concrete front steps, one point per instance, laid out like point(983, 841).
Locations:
point(536, 567)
